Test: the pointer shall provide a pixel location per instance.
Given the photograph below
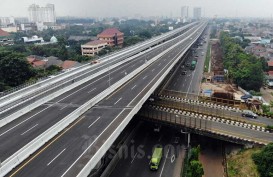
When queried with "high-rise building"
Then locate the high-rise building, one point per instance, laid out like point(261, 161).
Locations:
point(184, 12)
point(42, 14)
point(6, 21)
point(197, 13)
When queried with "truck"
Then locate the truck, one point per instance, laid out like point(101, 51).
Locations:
point(193, 64)
point(156, 158)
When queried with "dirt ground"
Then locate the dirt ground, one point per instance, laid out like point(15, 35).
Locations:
point(266, 94)
point(222, 87)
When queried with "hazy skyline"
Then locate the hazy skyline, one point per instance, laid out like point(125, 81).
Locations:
point(118, 8)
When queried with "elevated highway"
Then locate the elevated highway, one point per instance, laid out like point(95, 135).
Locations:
point(77, 149)
point(22, 101)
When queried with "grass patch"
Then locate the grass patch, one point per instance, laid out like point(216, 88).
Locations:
point(241, 164)
point(208, 57)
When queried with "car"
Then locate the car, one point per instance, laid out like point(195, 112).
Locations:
point(188, 64)
point(95, 61)
point(248, 113)
point(157, 128)
point(184, 72)
point(246, 96)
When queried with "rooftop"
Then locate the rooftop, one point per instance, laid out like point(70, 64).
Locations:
point(96, 42)
point(3, 33)
point(110, 32)
point(68, 64)
point(270, 63)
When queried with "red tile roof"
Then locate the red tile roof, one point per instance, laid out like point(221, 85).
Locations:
point(3, 33)
point(270, 63)
point(96, 42)
point(110, 32)
point(68, 64)
point(38, 63)
point(270, 73)
point(30, 60)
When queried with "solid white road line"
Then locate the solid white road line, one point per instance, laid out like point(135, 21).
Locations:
point(56, 157)
point(29, 129)
point(164, 162)
point(93, 122)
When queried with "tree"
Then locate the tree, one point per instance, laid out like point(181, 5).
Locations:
point(15, 71)
point(245, 70)
point(264, 161)
point(195, 169)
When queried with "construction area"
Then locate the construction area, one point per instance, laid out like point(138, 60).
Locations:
point(214, 85)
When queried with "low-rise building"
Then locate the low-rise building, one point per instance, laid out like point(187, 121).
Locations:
point(113, 37)
point(33, 40)
point(5, 38)
point(93, 47)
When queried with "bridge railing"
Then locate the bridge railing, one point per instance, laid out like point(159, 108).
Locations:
point(199, 125)
point(214, 100)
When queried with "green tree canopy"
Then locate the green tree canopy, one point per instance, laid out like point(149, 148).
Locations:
point(15, 71)
point(264, 161)
point(247, 71)
point(196, 169)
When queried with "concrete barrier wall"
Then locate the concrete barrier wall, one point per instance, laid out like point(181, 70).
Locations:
point(96, 158)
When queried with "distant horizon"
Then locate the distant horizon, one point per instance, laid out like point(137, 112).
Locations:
point(129, 8)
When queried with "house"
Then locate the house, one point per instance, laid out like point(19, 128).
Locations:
point(93, 47)
point(36, 62)
point(270, 67)
point(68, 64)
point(34, 39)
point(113, 37)
point(5, 38)
point(53, 61)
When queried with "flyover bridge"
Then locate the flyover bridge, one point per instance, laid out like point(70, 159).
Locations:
point(74, 136)
point(212, 126)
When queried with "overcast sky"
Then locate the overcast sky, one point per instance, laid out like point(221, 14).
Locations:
point(118, 8)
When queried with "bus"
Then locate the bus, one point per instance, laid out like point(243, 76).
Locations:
point(193, 65)
point(156, 158)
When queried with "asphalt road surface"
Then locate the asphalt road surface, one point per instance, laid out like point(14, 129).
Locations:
point(136, 162)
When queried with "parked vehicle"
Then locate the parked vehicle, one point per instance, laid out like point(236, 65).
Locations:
point(156, 158)
point(246, 96)
point(188, 64)
point(95, 62)
point(184, 72)
point(248, 113)
point(193, 65)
